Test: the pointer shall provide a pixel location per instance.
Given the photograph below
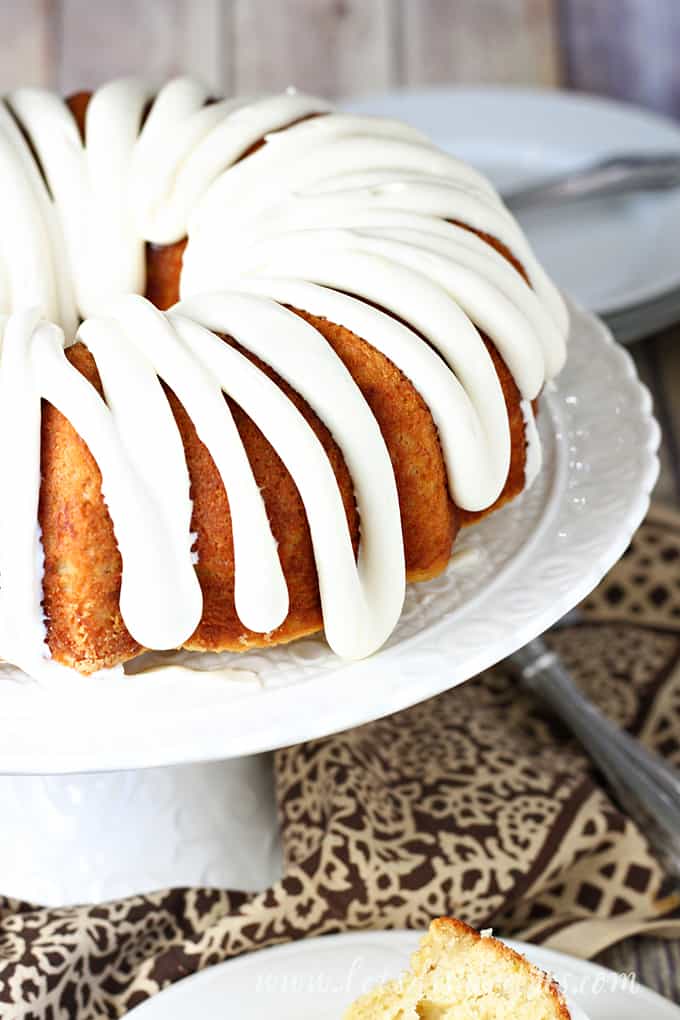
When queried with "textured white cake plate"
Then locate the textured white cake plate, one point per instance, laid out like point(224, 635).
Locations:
point(317, 979)
point(69, 838)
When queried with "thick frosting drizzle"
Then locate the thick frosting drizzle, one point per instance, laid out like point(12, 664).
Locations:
point(354, 219)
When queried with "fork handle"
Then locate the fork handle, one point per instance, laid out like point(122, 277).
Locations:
point(618, 175)
point(645, 786)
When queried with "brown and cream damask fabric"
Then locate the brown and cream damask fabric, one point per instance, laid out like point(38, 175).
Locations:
point(476, 803)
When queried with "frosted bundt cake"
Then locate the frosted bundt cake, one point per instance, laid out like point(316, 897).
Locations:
point(260, 362)
point(458, 974)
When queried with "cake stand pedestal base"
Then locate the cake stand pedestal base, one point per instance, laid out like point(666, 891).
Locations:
point(98, 836)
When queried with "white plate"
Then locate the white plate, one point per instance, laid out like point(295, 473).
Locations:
point(609, 255)
point(318, 978)
point(517, 572)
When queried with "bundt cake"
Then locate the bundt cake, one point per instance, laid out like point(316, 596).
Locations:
point(458, 974)
point(260, 362)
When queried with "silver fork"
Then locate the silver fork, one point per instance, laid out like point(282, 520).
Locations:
point(616, 175)
point(646, 787)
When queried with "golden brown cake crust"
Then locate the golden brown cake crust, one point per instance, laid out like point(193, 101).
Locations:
point(163, 270)
point(83, 565)
point(74, 564)
point(518, 447)
point(81, 583)
point(220, 628)
point(429, 517)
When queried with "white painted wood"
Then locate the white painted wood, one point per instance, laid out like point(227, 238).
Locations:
point(327, 47)
point(638, 61)
point(26, 43)
point(480, 41)
point(155, 38)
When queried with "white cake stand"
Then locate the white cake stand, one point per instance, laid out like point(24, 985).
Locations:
point(91, 808)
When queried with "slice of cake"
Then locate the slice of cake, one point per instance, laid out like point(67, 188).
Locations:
point(458, 974)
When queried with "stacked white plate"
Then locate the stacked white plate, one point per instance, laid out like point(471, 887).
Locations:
point(619, 257)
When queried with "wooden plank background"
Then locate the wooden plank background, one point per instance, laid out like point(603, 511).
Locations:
point(625, 48)
point(345, 47)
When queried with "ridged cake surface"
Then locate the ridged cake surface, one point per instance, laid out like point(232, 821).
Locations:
point(261, 360)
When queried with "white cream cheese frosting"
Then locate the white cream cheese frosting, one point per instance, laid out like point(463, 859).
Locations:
point(346, 217)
